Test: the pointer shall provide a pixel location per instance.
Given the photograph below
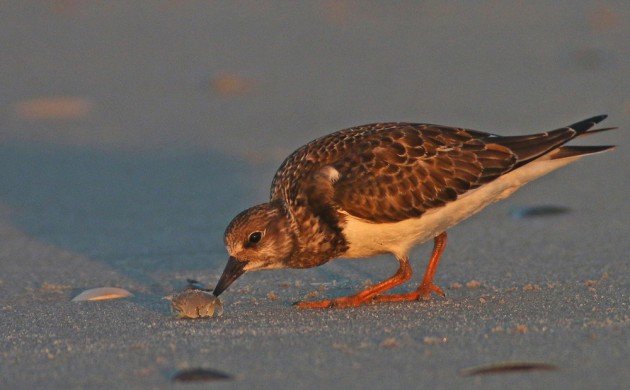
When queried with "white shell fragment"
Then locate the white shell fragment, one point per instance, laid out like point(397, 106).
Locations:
point(102, 294)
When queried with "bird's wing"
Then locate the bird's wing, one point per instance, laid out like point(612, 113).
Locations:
point(401, 173)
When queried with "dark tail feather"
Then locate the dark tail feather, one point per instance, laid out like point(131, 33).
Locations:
point(531, 147)
point(586, 124)
point(595, 131)
point(572, 151)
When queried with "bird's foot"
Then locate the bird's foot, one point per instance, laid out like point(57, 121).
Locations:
point(423, 292)
point(410, 296)
point(341, 302)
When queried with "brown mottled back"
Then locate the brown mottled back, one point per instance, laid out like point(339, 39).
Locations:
point(391, 171)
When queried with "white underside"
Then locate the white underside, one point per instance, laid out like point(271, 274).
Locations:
point(368, 239)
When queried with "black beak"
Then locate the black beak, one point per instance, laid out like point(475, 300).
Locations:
point(233, 269)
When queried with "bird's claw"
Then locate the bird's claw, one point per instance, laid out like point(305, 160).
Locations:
point(425, 291)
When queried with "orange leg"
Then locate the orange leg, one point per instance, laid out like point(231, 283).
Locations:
point(427, 286)
point(401, 276)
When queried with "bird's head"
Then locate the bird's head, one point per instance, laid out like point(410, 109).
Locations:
point(258, 238)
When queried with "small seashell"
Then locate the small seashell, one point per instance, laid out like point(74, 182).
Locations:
point(507, 367)
point(434, 340)
point(102, 294)
point(473, 284)
point(54, 108)
point(232, 84)
point(198, 375)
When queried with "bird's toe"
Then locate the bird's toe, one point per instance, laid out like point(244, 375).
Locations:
point(313, 304)
point(425, 290)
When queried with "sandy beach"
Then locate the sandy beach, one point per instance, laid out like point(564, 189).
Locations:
point(132, 133)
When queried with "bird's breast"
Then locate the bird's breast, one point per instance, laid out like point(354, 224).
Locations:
point(366, 239)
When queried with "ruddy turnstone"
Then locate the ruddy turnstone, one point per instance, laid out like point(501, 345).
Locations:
point(384, 188)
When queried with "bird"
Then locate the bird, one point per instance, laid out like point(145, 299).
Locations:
point(384, 188)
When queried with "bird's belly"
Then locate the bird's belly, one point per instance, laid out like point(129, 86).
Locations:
point(367, 239)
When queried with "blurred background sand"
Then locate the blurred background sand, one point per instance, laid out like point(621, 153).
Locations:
point(131, 133)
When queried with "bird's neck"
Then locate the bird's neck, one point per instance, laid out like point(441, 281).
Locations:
point(318, 239)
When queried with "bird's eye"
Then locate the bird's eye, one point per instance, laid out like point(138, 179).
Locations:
point(255, 237)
